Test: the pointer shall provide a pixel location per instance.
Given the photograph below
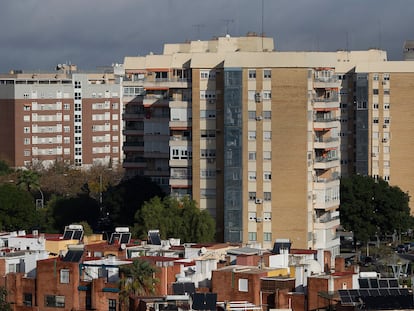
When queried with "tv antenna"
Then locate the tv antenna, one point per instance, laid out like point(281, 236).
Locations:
point(227, 22)
point(198, 27)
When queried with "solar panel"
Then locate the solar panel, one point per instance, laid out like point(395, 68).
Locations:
point(393, 283)
point(77, 235)
point(373, 283)
point(154, 237)
point(364, 292)
point(198, 301)
point(114, 238)
point(383, 283)
point(374, 292)
point(210, 301)
point(125, 238)
point(178, 289)
point(384, 292)
point(394, 291)
point(67, 235)
point(404, 292)
point(189, 288)
point(73, 256)
point(363, 283)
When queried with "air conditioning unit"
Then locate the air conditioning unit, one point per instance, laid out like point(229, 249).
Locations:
point(258, 219)
point(384, 140)
point(259, 118)
point(259, 201)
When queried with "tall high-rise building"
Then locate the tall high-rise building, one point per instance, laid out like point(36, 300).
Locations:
point(254, 135)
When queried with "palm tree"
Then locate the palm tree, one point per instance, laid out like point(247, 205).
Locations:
point(28, 179)
point(137, 279)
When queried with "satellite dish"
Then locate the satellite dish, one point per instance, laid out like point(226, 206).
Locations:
point(123, 246)
point(203, 250)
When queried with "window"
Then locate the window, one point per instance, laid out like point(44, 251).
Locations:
point(375, 120)
point(267, 216)
point(26, 118)
point(27, 141)
point(78, 129)
point(267, 196)
point(252, 156)
point(78, 118)
point(78, 95)
point(386, 163)
point(252, 196)
point(267, 115)
point(252, 236)
point(386, 106)
point(267, 175)
point(252, 135)
point(386, 92)
point(52, 301)
point(267, 236)
point(26, 108)
point(27, 299)
point(386, 77)
point(375, 106)
point(267, 73)
point(64, 276)
point(252, 115)
point(77, 85)
point(26, 130)
point(251, 175)
point(252, 216)
point(386, 120)
point(267, 95)
point(210, 114)
point(252, 74)
point(243, 285)
point(112, 305)
point(375, 77)
point(78, 151)
point(375, 91)
point(27, 153)
point(267, 135)
point(267, 155)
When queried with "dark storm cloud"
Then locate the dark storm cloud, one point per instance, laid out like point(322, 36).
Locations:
point(38, 34)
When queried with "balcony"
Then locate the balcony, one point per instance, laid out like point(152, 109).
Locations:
point(133, 116)
point(180, 125)
point(326, 82)
point(326, 143)
point(324, 183)
point(321, 123)
point(324, 163)
point(180, 183)
point(180, 162)
point(156, 154)
point(134, 163)
point(326, 206)
point(168, 83)
point(133, 131)
point(133, 146)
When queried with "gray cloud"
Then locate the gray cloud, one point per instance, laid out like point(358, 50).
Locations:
point(38, 34)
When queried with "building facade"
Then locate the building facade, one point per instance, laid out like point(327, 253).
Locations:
point(63, 116)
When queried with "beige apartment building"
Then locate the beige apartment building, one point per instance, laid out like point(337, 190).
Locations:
point(60, 116)
point(254, 135)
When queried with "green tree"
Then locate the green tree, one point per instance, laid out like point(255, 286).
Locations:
point(175, 218)
point(17, 211)
point(4, 168)
point(372, 207)
point(4, 304)
point(137, 279)
point(28, 179)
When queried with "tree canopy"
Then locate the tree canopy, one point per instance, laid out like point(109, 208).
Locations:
point(178, 218)
point(17, 209)
point(372, 207)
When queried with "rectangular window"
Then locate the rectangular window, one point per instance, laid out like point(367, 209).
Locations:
point(27, 141)
point(252, 115)
point(267, 115)
point(52, 301)
point(66, 106)
point(386, 106)
point(243, 285)
point(386, 92)
point(27, 299)
point(78, 95)
point(375, 91)
point(267, 95)
point(252, 196)
point(386, 120)
point(267, 155)
point(252, 74)
point(112, 305)
point(267, 236)
point(267, 135)
point(252, 216)
point(267, 216)
point(267, 74)
point(252, 156)
point(251, 175)
point(252, 135)
point(267, 175)
point(64, 276)
point(267, 196)
point(252, 236)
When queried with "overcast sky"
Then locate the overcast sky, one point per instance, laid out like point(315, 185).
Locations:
point(39, 34)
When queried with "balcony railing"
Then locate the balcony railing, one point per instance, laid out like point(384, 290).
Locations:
point(322, 159)
point(326, 140)
point(334, 98)
point(330, 119)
